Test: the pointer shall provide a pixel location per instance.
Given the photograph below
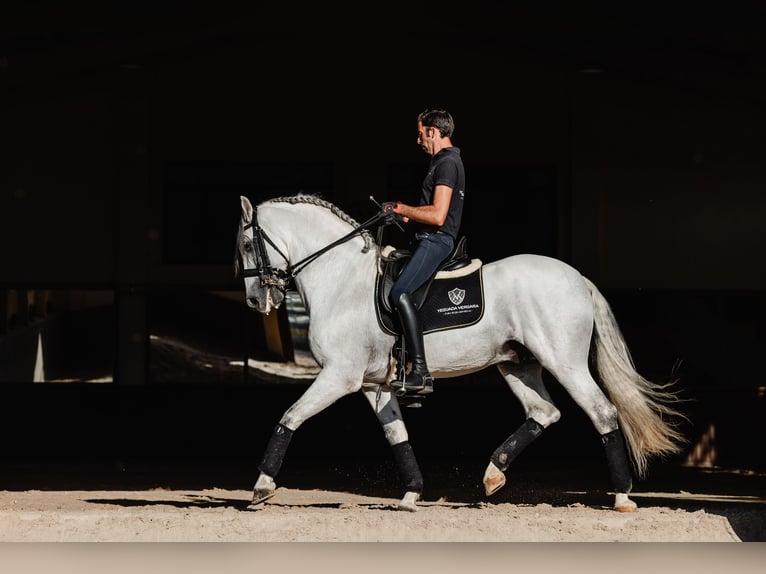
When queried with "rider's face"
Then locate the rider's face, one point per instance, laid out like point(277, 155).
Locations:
point(426, 138)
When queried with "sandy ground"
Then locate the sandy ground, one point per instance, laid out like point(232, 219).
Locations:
point(354, 526)
point(714, 508)
point(324, 516)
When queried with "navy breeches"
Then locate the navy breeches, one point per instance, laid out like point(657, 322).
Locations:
point(431, 250)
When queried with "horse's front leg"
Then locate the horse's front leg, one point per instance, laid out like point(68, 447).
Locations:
point(330, 385)
point(387, 409)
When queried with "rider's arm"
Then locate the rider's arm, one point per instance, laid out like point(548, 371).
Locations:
point(434, 214)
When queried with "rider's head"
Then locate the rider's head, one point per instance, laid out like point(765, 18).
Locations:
point(439, 119)
point(435, 128)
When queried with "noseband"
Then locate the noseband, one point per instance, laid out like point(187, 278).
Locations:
point(270, 277)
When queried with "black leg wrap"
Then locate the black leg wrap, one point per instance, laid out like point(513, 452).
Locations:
point(617, 460)
point(514, 444)
point(408, 467)
point(275, 450)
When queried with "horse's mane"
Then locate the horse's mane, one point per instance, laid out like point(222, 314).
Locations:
point(311, 200)
point(316, 200)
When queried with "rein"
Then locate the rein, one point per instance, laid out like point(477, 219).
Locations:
point(281, 277)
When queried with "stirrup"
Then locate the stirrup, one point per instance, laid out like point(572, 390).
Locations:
point(411, 387)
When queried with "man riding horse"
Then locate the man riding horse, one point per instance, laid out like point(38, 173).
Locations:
point(438, 214)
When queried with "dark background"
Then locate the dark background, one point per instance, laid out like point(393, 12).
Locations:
point(628, 142)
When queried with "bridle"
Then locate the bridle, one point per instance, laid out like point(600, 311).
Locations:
point(281, 279)
point(269, 276)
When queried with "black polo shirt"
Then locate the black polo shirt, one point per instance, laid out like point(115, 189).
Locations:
point(446, 168)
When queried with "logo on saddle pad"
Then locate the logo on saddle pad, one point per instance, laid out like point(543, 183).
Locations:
point(456, 296)
point(466, 308)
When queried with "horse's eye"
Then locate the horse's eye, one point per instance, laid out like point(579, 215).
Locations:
point(248, 247)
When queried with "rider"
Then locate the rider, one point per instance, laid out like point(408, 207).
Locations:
point(438, 216)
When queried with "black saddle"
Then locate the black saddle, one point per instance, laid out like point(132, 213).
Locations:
point(456, 299)
point(394, 262)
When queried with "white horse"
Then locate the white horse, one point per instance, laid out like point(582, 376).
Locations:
point(537, 302)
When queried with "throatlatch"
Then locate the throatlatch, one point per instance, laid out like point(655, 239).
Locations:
point(617, 460)
point(514, 444)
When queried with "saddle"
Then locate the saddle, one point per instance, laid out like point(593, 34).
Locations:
point(453, 297)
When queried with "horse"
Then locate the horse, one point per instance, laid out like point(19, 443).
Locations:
point(540, 313)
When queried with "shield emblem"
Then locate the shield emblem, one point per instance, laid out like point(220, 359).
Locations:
point(456, 296)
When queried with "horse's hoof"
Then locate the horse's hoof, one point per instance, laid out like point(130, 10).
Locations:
point(624, 504)
point(494, 479)
point(409, 501)
point(627, 508)
point(259, 497)
point(264, 488)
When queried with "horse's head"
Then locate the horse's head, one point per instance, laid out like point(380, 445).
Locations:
point(265, 285)
point(264, 265)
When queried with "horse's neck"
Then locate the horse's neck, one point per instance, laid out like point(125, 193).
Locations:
point(336, 273)
point(311, 229)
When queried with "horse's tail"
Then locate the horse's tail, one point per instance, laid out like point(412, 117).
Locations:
point(643, 407)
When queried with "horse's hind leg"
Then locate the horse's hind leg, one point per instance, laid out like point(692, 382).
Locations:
point(387, 410)
point(525, 380)
point(603, 414)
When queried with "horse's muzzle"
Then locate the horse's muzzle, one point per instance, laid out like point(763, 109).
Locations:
point(259, 305)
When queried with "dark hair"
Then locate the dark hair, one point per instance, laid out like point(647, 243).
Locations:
point(440, 119)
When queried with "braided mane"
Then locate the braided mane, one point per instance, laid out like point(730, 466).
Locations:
point(315, 200)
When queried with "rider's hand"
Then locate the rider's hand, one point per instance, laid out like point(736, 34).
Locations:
point(389, 210)
point(389, 207)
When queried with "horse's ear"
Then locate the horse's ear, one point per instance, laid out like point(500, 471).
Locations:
point(247, 209)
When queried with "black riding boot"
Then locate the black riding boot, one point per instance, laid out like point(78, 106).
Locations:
point(418, 381)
